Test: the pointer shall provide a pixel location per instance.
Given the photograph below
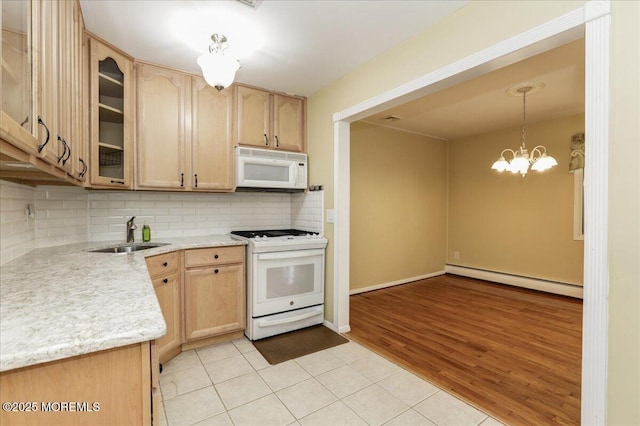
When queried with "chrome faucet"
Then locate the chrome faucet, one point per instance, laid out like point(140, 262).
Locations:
point(130, 228)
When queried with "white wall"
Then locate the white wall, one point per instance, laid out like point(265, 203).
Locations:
point(67, 215)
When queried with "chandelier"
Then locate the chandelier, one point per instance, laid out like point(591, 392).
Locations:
point(521, 158)
point(218, 69)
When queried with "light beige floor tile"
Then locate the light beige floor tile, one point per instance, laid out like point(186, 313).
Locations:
point(306, 397)
point(282, 375)
point(243, 389)
point(219, 351)
point(319, 362)
point(244, 345)
point(335, 414)
point(374, 367)
point(264, 411)
point(256, 360)
point(228, 368)
point(183, 361)
point(349, 352)
point(219, 420)
point(447, 410)
point(408, 387)
point(375, 405)
point(410, 418)
point(343, 381)
point(490, 421)
point(183, 381)
point(193, 407)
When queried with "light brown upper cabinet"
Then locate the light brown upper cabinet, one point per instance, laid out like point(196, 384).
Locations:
point(184, 132)
point(29, 78)
point(111, 117)
point(212, 140)
point(163, 105)
point(270, 120)
point(70, 82)
point(42, 82)
point(78, 66)
point(19, 74)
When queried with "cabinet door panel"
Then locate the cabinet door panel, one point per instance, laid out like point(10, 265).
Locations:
point(288, 123)
point(111, 117)
point(212, 140)
point(253, 117)
point(168, 293)
point(214, 301)
point(65, 103)
point(48, 82)
point(163, 99)
point(19, 46)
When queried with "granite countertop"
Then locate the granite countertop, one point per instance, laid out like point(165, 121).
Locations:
point(64, 301)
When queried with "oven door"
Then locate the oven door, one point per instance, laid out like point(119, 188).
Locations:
point(287, 280)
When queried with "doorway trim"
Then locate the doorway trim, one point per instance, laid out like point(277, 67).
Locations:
point(594, 19)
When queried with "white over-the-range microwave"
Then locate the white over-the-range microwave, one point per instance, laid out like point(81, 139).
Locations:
point(265, 169)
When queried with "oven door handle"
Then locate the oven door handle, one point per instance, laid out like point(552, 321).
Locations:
point(290, 254)
point(269, 323)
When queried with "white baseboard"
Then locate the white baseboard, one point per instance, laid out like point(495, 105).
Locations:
point(331, 326)
point(517, 281)
point(394, 283)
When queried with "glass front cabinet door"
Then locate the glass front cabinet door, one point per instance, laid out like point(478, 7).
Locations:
point(111, 117)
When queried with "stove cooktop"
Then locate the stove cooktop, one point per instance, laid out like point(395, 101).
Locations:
point(273, 233)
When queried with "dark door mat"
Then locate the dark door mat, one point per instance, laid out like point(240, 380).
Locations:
point(283, 347)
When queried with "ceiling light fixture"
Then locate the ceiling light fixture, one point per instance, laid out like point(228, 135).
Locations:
point(538, 159)
point(218, 69)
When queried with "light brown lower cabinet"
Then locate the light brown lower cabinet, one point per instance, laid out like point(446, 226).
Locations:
point(165, 273)
point(202, 296)
point(214, 292)
point(111, 387)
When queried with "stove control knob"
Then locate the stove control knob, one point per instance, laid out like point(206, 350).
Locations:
point(264, 238)
point(308, 235)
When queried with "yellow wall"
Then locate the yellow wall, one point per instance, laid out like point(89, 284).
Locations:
point(478, 25)
point(398, 205)
point(505, 223)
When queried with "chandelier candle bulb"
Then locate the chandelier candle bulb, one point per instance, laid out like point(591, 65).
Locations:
point(538, 159)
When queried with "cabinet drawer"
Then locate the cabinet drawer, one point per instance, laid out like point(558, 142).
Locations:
point(213, 256)
point(171, 279)
point(162, 264)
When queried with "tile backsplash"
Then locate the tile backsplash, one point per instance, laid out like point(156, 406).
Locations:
point(182, 215)
point(18, 233)
point(66, 215)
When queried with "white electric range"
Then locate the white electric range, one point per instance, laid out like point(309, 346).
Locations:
point(285, 280)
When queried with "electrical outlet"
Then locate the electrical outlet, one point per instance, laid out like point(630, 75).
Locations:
point(456, 255)
point(331, 215)
point(29, 212)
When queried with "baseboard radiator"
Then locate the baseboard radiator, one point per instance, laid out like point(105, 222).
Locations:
point(554, 287)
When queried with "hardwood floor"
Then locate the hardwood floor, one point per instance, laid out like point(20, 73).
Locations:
point(514, 353)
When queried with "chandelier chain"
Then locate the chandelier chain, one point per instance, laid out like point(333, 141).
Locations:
point(524, 119)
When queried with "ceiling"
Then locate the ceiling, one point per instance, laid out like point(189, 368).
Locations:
point(303, 45)
point(289, 46)
point(481, 105)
